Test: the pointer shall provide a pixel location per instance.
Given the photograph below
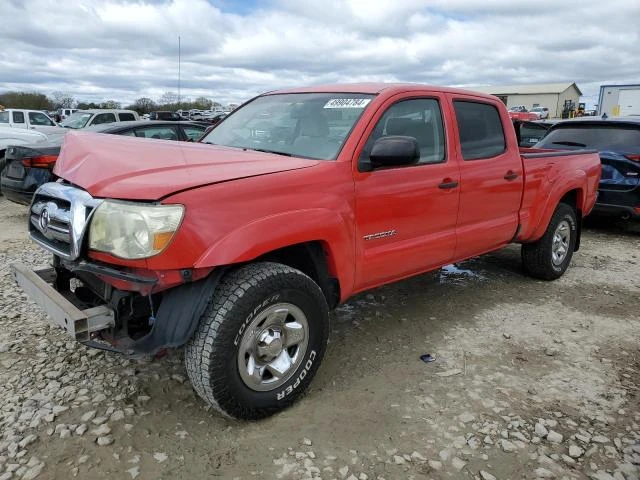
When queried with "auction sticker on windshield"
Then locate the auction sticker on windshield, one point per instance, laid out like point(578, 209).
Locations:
point(347, 103)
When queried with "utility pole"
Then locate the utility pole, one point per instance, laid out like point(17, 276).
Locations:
point(179, 71)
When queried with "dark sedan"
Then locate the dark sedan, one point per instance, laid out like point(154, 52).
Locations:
point(29, 166)
point(618, 141)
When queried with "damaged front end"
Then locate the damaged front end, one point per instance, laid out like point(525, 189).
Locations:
point(132, 311)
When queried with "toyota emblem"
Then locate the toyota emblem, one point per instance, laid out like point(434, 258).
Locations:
point(44, 220)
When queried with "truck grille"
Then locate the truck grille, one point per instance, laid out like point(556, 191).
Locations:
point(59, 217)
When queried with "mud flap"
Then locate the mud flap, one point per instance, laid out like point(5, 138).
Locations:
point(578, 232)
point(178, 315)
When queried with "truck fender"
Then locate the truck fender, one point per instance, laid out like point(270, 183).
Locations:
point(558, 191)
point(274, 232)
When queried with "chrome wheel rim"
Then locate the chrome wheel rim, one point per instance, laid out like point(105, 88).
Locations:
point(273, 346)
point(560, 244)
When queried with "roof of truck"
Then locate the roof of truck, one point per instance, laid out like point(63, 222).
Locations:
point(374, 88)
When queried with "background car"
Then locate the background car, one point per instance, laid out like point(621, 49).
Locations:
point(28, 120)
point(165, 115)
point(618, 141)
point(530, 133)
point(29, 166)
point(542, 112)
point(87, 118)
point(62, 113)
point(17, 136)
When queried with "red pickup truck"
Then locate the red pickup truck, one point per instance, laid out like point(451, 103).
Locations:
point(238, 246)
point(521, 113)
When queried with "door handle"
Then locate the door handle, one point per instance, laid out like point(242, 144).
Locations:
point(448, 183)
point(511, 175)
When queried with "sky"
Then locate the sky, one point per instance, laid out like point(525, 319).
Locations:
point(233, 50)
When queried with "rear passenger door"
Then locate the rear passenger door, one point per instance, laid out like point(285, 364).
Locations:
point(406, 216)
point(491, 177)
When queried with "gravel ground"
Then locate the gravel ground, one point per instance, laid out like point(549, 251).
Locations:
point(530, 380)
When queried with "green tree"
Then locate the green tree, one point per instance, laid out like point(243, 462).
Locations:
point(202, 103)
point(143, 105)
point(29, 100)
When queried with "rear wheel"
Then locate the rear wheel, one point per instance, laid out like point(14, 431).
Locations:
point(259, 342)
point(549, 257)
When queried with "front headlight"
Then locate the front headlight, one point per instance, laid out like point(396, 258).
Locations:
point(133, 230)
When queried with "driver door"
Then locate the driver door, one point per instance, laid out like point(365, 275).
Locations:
point(406, 216)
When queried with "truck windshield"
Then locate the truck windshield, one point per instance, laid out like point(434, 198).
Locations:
point(76, 120)
point(615, 138)
point(308, 125)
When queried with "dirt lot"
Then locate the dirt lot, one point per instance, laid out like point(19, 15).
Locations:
point(531, 380)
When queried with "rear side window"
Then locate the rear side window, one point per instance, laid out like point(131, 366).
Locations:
point(164, 133)
point(480, 127)
point(4, 117)
point(617, 138)
point(18, 117)
point(126, 117)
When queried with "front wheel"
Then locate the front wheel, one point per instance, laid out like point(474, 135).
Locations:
point(549, 257)
point(259, 342)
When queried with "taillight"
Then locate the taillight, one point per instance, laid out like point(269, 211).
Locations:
point(42, 161)
point(635, 157)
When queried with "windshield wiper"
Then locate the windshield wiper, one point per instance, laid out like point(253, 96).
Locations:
point(264, 150)
point(569, 143)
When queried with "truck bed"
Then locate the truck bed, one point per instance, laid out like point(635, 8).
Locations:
point(545, 171)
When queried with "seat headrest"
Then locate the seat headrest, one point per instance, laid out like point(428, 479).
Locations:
point(314, 126)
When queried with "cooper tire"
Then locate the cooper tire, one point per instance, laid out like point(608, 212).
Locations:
point(231, 324)
point(549, 257)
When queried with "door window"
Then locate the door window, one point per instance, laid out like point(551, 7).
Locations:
point(37, 118)
point(126, 117)
point(419, 118)
point(193, 132)
point(164, 133)
point(18, 117)
point(103, 118)
point(480, 128)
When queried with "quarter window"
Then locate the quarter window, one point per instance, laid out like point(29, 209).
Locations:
point(4, 117)
point(418, 118)
point(126, 117)
point(480, 128)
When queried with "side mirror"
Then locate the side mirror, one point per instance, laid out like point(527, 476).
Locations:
point(392, 151)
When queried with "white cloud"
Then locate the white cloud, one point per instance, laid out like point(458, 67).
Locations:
point(123, 50)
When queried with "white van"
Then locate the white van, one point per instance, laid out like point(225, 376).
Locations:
point(63, 113)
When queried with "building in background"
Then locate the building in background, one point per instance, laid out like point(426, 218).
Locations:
point(619, 100)
point(550, 95)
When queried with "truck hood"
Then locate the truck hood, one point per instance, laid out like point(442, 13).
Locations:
point(114, 166)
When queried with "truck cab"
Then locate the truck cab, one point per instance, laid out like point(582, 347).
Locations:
point(238, 246)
